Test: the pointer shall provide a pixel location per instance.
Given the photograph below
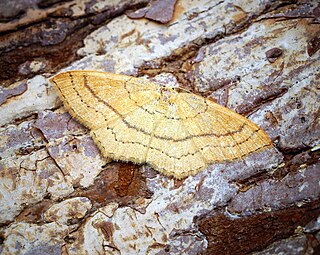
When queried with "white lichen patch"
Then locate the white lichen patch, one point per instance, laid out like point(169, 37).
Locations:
point(39, 96)
point(130, 43)
point(294, 112)
point(78, 158)
point(69, 209)
point(36, 178)
point(27, 238)
point(244, 56)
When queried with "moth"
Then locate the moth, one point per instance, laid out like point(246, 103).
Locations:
point(178, 133)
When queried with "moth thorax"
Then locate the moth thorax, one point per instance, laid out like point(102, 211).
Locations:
point(167, 95)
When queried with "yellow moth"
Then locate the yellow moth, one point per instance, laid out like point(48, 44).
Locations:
point(176, 133)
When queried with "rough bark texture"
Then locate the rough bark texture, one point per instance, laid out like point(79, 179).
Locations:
point(58, 195)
